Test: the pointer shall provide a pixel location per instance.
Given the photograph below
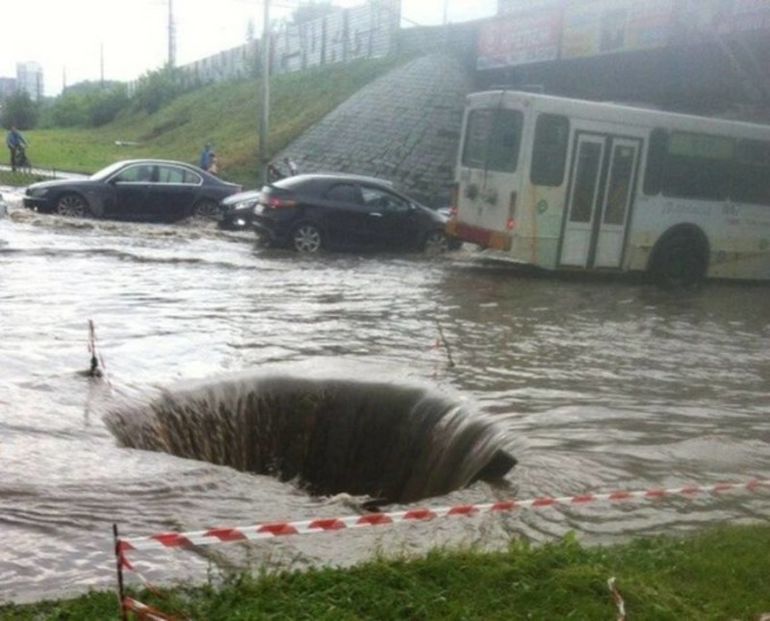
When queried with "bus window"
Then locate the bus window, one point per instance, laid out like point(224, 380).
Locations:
point(656, 162)
point(549, 153)
point(492, 139)
point(698, 166)
point(586, 179)
point(619, 185)
point(751, 180)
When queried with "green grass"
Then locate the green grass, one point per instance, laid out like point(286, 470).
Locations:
point(226, 114)
point(18, 179)
point(719, 574)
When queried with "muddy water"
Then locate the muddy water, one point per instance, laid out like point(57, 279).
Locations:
point(599, 386)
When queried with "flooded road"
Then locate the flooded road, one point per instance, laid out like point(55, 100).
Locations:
point(598, 386)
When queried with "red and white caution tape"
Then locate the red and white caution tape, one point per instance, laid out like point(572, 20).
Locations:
point(618, 599)
point(309, 527)
point(145, 612)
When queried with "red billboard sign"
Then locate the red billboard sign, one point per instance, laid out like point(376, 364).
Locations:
point(520, 39)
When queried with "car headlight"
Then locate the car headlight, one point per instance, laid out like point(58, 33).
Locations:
point(246, 204)
point(37, 192)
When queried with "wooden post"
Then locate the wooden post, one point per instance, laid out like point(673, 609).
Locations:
point(119, 566)
point(446, 345)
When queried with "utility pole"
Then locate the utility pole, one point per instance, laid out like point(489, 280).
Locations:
point(171, 35)
point(101, 65)
point(264, 125)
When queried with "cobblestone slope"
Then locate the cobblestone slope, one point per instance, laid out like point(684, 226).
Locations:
point(404, 127)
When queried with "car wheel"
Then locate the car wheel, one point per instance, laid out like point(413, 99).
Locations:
point(307, 238)
point(72, 205)
point(436, 243)
point(206, 209)
point(681, 261)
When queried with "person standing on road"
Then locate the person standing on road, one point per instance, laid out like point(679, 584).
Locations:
point(15, 141)
point(213, 164)
point(291, 165)
point(207, 157)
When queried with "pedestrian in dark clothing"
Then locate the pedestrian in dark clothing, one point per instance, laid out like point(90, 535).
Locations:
point(16, 145)
point(291, 165)
point(273, 173)
point(207, 157)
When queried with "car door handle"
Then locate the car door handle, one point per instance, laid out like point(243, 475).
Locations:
point(376, 214)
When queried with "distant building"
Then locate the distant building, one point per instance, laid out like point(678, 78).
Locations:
point(29, 78)
point(7, 87)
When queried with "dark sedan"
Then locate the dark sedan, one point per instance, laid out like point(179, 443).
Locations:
point(238, 211)
point(143, 190)
point(313, 212)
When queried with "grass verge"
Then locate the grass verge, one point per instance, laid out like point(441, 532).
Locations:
point(719, 574)
point(225, 114)
point(19, 179)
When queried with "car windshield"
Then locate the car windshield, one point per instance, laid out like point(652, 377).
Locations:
point(106, 172)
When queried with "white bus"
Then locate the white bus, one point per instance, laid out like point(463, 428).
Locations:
point(563, 184)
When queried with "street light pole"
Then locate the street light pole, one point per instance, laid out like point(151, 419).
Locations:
point(171, 35)
point(264, 125)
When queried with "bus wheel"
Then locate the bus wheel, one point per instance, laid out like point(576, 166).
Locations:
point(680, 261)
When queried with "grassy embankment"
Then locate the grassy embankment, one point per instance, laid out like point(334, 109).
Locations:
point(227, 114)
point(720, 574)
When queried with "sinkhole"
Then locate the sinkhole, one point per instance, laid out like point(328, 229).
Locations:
point(389, 441)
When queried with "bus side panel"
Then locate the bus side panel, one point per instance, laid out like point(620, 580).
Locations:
point(738, 234)
point(540, 208)
point(539, 231)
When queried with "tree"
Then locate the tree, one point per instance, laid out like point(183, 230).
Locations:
point(87, 104)
point(20, 110)
point(157, 88)
point(106, 104)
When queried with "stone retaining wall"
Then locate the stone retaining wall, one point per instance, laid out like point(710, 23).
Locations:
point(404, 127)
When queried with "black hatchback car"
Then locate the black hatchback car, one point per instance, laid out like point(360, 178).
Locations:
point(145, 190)
point(337, 212)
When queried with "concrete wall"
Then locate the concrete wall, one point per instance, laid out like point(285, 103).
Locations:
point(366, 31)
point(235, 63)
point(404, 127)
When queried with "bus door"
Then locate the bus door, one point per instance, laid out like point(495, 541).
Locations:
point(602, 182)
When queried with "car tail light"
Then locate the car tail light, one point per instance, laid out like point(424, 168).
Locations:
point(273, 202)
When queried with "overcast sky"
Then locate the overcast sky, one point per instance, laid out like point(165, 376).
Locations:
point(67, 35)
